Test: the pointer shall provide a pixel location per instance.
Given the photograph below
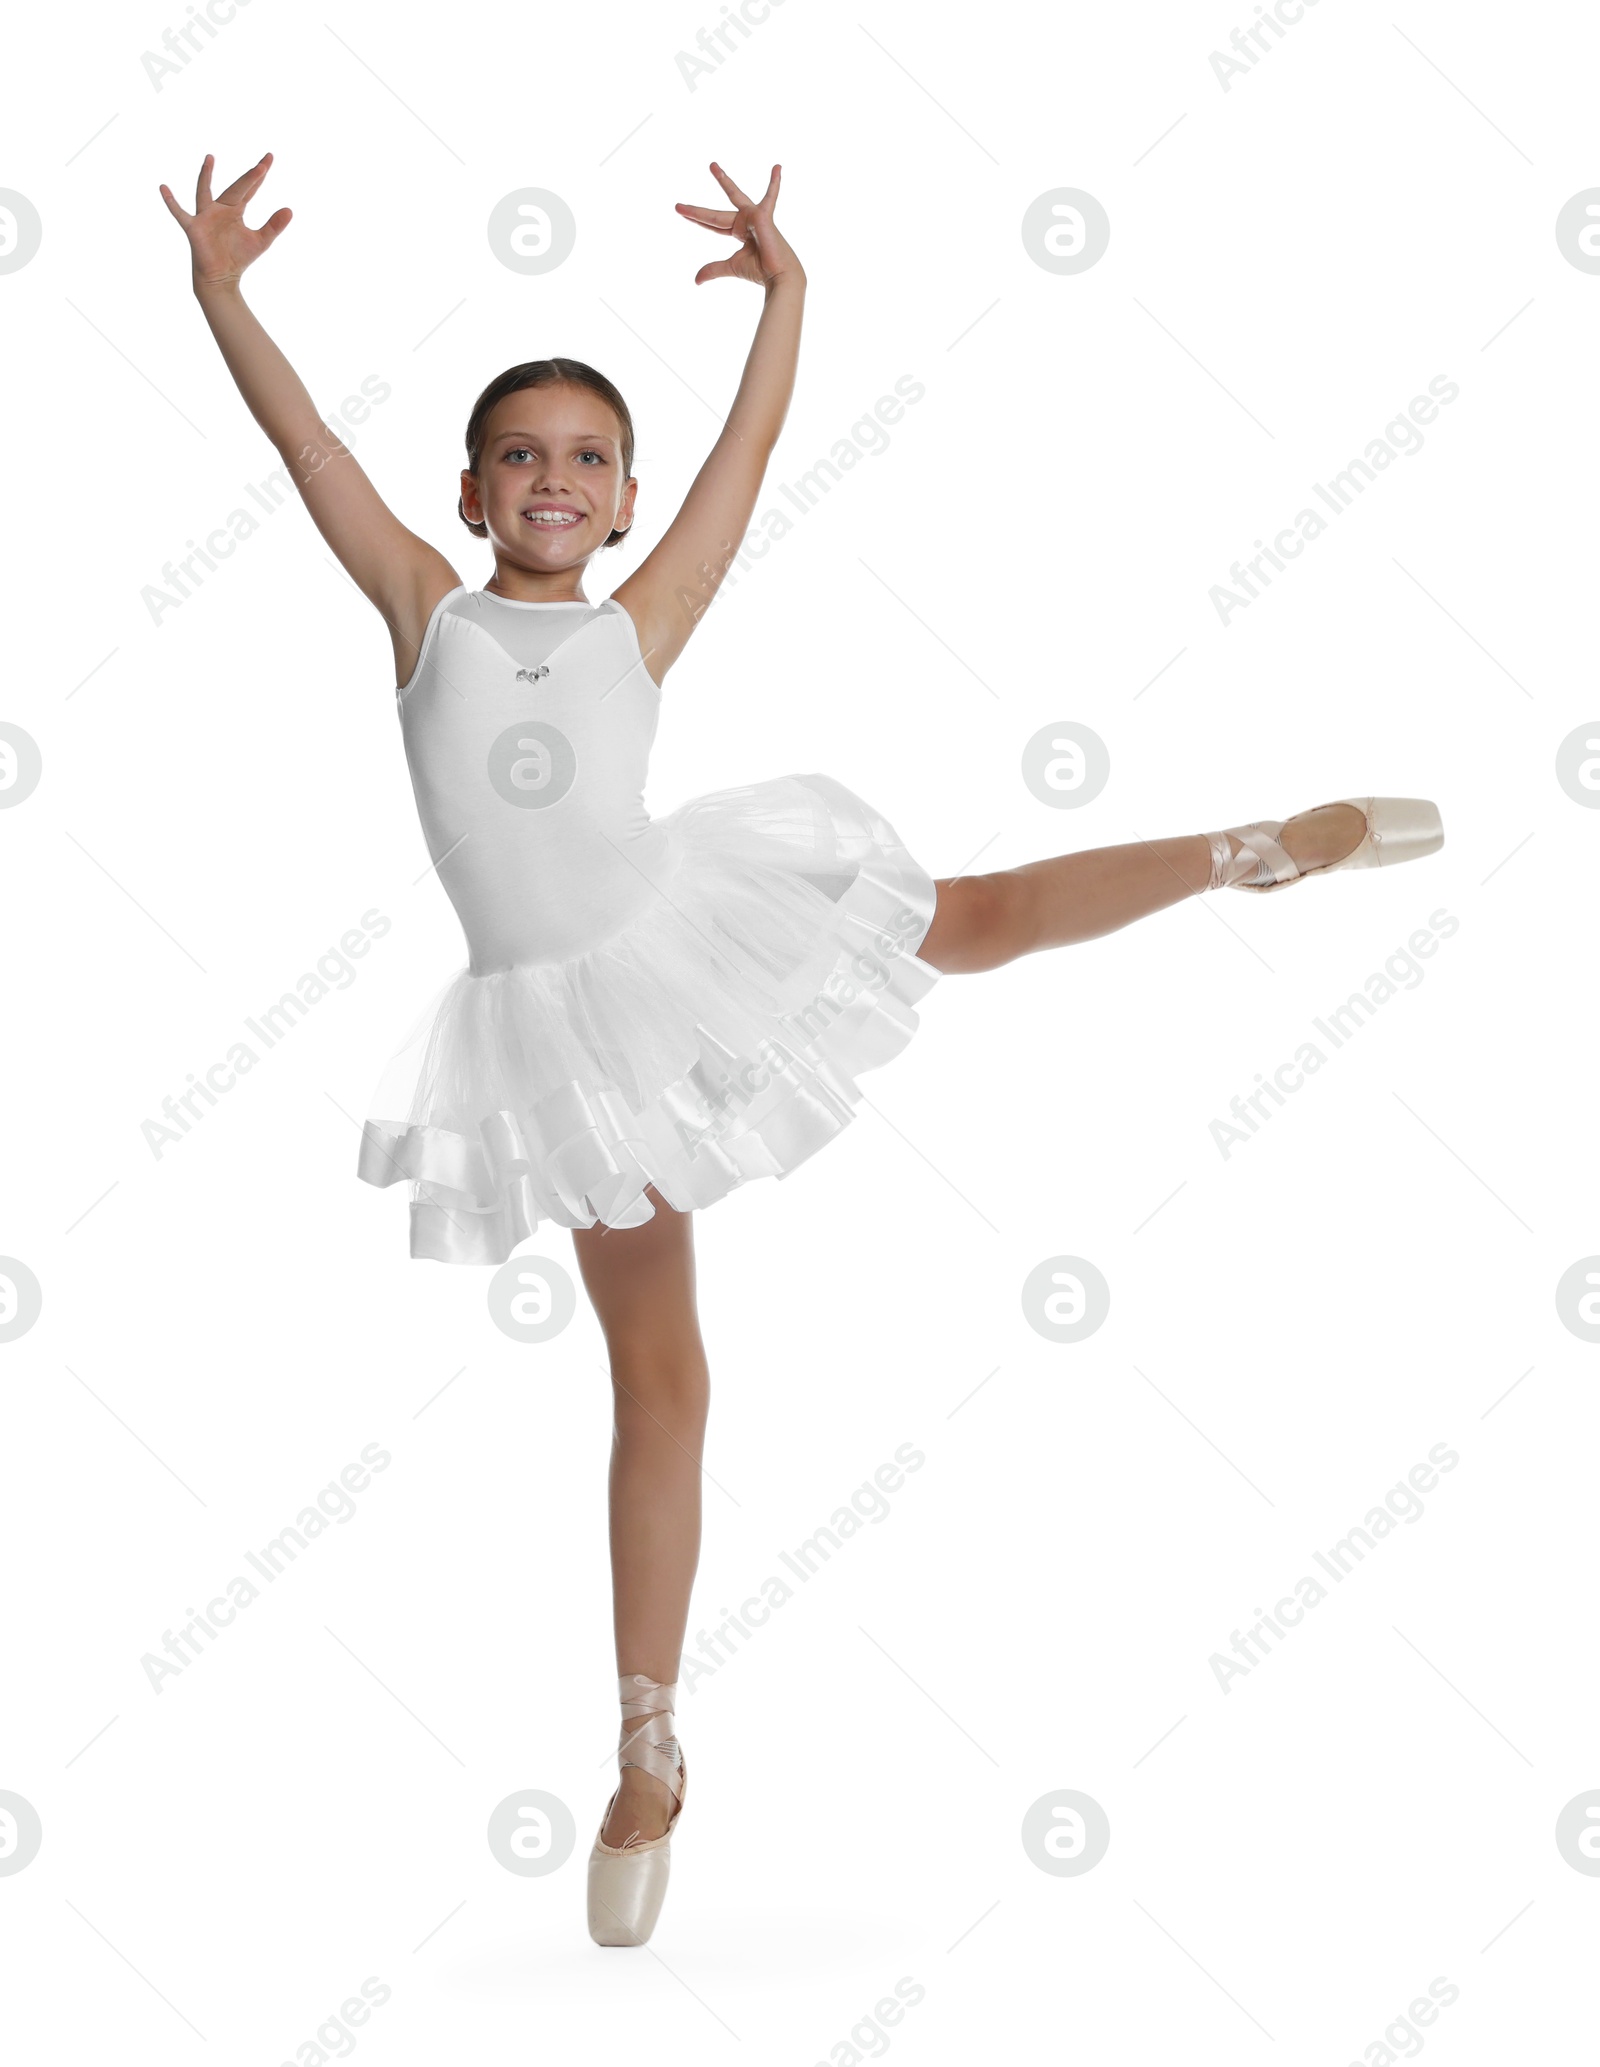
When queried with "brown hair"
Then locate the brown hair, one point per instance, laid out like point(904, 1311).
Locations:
point(543, 373)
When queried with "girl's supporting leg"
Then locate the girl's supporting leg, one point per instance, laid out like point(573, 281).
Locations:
point(981, 922)
point(641, 1281)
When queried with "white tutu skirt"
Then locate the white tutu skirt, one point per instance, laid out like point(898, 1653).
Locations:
point(716, 1037)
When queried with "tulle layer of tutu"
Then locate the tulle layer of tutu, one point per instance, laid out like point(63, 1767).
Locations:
point(715, 1038)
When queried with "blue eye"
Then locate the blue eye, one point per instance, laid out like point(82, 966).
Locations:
point(598, 457)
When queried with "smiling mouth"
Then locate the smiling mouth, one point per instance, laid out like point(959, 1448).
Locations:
point(551, 520)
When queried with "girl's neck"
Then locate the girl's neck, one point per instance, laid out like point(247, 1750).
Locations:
point(496, 586)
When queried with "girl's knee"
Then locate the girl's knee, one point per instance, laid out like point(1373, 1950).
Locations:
point(669, 1382)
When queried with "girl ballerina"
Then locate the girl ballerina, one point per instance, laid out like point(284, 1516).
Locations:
point(655, 1010)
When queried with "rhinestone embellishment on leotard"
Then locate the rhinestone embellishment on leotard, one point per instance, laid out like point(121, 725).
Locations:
point(532, 674)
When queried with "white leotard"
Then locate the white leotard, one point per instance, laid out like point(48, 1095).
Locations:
point(528, 729)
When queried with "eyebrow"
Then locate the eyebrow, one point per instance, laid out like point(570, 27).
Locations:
point(579, 437)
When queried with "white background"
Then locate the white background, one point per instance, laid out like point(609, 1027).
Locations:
point(1372, 1274)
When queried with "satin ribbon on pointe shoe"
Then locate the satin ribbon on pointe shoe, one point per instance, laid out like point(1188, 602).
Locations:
point(654, 1749)
point(1261, 858)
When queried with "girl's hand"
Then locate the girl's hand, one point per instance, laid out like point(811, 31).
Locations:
point(764, 255)
point(219, 244)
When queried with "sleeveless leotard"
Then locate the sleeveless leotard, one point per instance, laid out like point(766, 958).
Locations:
point(680, 1002)
point(555, 702)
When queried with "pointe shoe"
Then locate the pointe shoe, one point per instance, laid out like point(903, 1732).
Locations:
point(628, 1881)
point(1397, 829)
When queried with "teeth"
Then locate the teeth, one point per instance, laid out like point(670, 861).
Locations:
point(551, 517)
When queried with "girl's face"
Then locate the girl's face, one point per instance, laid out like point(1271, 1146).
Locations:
point(550, 486)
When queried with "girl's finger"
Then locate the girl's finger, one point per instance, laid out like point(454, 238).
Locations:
point(708, 218)
point(730, 187)
point(202, 186)
point(180, 214)
point(247, 182)
point(243, 187)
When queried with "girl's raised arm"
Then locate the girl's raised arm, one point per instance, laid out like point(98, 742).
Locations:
point(667, 596)
point(394, 569)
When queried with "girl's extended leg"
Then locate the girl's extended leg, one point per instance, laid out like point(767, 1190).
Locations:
point(641, 1281)
point(981, 922)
